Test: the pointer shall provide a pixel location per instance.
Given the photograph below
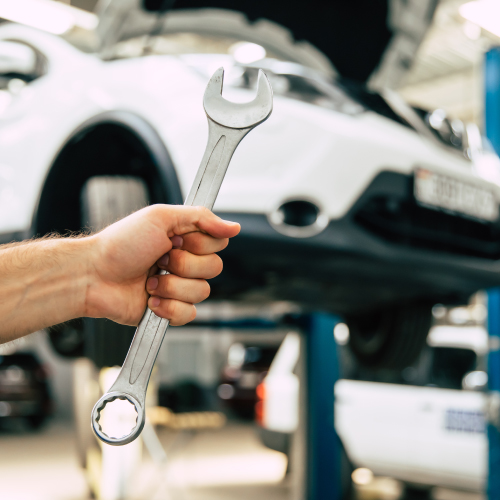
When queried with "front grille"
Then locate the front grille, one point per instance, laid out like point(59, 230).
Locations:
point(403, 221)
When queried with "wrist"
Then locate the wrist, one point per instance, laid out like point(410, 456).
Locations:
point(88, 286)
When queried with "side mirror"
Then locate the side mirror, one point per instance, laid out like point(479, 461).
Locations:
point(475, 381)
point(17, 59)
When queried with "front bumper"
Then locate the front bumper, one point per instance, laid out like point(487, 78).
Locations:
point(373, 256)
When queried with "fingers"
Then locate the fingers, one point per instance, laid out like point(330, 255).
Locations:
point(178, 312)
point(188, 265)
point(170, 286)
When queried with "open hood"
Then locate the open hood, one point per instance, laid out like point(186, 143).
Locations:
point(371, 41)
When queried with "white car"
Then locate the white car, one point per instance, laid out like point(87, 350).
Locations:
point(349, 200)
point(424, 425)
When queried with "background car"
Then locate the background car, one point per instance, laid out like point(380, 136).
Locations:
point(24, 389)
point(246, 367)
point(351, 227)
point(424, 425)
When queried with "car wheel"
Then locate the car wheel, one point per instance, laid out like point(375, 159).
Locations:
point(391, 337)
point(67, 338)
point(104, 200)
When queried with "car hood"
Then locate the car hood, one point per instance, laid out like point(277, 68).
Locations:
point(371, 41)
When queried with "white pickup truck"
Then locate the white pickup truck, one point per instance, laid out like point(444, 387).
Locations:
point(424, 425)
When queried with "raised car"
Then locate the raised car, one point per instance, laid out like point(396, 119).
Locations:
point(350, 200)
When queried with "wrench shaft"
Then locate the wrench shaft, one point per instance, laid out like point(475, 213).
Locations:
point(221, 145)
point(136, 370)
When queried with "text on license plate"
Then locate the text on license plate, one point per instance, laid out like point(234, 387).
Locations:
point(448, 193)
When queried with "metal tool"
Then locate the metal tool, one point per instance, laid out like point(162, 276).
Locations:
point(228, 123)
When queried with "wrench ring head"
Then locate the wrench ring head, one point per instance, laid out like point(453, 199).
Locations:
point(237, 115)
point(96, 416)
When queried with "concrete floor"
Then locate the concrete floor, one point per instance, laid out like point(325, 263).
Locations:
point(40, 465)
point(227, 464)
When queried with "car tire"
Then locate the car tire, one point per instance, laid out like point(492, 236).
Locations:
point(104, 200)
point(67, 339)
point(389, 338)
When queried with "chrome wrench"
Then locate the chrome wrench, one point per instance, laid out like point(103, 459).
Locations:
point(228, 123)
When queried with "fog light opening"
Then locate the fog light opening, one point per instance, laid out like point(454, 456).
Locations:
point(298, 219)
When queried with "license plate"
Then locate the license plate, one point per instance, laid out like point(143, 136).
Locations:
point(447, 193)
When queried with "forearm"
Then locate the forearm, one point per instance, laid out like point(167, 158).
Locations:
point(41, 284)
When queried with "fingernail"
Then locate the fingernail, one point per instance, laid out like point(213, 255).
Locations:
point(177, 241)
point(152, 283)
point(163, 261)
point(231, 223)
point(155, 301)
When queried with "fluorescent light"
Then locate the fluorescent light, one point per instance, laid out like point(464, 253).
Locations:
point(46, 15)
point(484, 13)
point(246, 52)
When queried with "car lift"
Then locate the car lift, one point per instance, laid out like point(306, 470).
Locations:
point(316, 450)
point(492, 125)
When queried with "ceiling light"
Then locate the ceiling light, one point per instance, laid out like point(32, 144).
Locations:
point(341, 333)
point(47, 15)
point(484, 13)
point(472, 31)
point(246, 52)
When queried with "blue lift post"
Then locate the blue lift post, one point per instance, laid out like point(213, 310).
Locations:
point(493, 488)
point(492, 125)
point(323, 449)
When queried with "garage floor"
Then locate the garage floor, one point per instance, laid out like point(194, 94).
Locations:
point(219, 465)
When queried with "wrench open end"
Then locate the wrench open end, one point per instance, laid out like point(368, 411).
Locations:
point(238, 115)
point(96, 417)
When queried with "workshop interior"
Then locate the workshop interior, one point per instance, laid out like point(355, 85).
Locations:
point(350, 348)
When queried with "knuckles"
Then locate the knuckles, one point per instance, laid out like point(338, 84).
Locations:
point(179, 313)
point(178, 263)
point(170, 308)
point(184, 264)
point(184, 289)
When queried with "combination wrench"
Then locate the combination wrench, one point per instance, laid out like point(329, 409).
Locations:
point(228, 124)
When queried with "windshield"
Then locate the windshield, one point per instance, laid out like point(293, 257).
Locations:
point(192, 43)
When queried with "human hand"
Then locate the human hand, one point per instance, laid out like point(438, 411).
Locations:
point(125, 258)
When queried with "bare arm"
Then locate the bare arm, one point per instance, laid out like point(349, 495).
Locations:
point(113, 274)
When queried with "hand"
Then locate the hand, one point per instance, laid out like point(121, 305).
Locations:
point(127, 255)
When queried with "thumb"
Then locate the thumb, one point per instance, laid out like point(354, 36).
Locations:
point(180, 219)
